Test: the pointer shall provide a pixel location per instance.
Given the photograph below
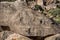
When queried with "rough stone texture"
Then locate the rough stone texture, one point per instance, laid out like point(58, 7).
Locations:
point(51, 6)
point(25, 21)
point(8, 35)
point(0, 36)
point(31, 4)
point(55, 37)
point(40, 2)
point(16, 37)
point(48, 2)
point(58, 0)
point(4, 34)
point(0, 29)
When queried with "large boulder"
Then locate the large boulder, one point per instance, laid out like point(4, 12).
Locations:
point(8, 35)
point(26, 21)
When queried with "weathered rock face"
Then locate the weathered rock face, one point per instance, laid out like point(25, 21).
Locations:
point(0, 29)
point(17, 37)
point(8, 35)
point(5, 34)
point(58, 0)
point(48, 2)
point(45, 2)
point(7, 0)
point(31, 4)
point(40, 2)
point(24, 20)
point(51, 6)
point(55, 37)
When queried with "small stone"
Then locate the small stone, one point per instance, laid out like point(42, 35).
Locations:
point(40, 2)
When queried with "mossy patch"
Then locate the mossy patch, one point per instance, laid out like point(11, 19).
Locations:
point(56, 14)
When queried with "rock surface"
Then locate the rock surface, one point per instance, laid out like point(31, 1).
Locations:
point(8, 35)
point(40, 2)
point(25, 21)
point(48, 2)
point(51, 6)
point(55, 37)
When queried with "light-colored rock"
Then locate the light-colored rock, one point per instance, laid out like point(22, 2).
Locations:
point(31, 4)
point(40, 2)
point(8, 35)
point(5, 34)
point(55, 37)
point(51, 6)
point(15, 36)
point(25, 21)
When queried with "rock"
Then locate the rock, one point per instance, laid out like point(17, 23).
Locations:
point(51, 6)
point(0, 36)
point(55, 37)
point(16, 37)
point(48, 2)
point(8, 35)
point(1, 29)
point(5, 34)
point(25, 21)
point(40, 2)
point(31, 4)
point(58, 1)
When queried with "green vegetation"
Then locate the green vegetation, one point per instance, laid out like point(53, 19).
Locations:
point(56, 14)
point(37, 7)
point(57, 19)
